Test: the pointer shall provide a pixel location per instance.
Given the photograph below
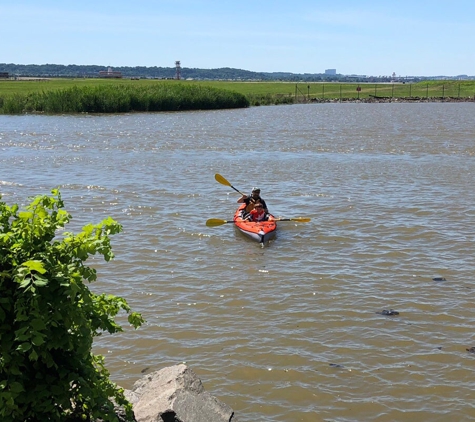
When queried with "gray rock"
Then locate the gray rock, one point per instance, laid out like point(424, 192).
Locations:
point(176, 394)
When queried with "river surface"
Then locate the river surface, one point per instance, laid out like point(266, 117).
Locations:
point(291, 331)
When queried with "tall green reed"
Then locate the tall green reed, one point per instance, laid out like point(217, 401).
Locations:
point(122, 98)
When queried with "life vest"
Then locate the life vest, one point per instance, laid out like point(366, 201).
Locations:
point(258, 215)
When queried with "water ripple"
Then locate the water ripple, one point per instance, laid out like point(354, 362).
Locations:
point(295, 330)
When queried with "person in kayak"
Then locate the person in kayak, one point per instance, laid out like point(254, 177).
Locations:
point(256, 196)
point(247, 210)
point(258, 213)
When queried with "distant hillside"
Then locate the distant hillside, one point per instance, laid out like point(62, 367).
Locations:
point(226, 73)
point(92, 71)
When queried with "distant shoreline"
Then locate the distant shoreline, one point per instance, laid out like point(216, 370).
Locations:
point(392, 100)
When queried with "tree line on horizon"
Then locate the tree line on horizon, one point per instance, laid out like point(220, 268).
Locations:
point(226, 73)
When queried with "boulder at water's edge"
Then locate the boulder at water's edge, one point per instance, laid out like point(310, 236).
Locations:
point(176, 394)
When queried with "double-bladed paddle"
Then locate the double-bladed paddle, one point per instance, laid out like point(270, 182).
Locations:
point(212, 222)
point(223, 181)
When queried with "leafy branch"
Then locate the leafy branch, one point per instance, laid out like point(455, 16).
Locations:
point(49, 317)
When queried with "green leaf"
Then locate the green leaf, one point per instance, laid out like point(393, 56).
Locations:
point(25, 283)
point(10, 401)
point(14, 370)
point(34, 265)
point(16, 387)
point(135, 319)
point(37, 324)
point(33, 355)
point(23, 337)
point(38, 340)
point(24, 215)
point(40, 281)
point(24, 347)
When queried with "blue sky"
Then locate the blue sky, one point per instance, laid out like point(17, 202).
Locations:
point(374, 38)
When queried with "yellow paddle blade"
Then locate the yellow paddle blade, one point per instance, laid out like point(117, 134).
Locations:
point(301, 219)
point(298, 219)
point(212, 222)
point(221, 179)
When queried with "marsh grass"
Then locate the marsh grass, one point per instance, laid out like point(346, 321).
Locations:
point(123, 98)
point(112, 96)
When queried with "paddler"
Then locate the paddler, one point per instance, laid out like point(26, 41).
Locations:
point(258, 213)
point(256, 196)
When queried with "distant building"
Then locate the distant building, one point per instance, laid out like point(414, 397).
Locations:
point(4, 75)
point(109, 73)
point(330, 71)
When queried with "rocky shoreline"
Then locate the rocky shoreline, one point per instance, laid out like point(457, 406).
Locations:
point(377, 99)
point(175, 394)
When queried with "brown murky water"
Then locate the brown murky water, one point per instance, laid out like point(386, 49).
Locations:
point(289, 332)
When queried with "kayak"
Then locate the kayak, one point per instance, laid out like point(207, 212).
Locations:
point(261, 231)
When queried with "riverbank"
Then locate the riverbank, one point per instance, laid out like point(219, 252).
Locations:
point(373, 99)
point(254, 93)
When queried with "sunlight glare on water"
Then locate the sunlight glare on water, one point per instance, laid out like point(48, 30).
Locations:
point(293, 331)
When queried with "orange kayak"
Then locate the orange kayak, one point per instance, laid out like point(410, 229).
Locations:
point(261, 231)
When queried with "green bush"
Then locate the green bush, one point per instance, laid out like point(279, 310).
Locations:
point(49, 317)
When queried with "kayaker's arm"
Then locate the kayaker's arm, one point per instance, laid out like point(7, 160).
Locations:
point(242, 199)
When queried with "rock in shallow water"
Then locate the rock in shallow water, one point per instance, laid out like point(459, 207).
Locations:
point(176, 394)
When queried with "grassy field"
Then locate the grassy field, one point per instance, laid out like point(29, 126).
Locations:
point(263, 93)
point(331, 90)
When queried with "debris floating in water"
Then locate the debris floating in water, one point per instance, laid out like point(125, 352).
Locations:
point(439, 279)
point(338, 366)
point(388, 312)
